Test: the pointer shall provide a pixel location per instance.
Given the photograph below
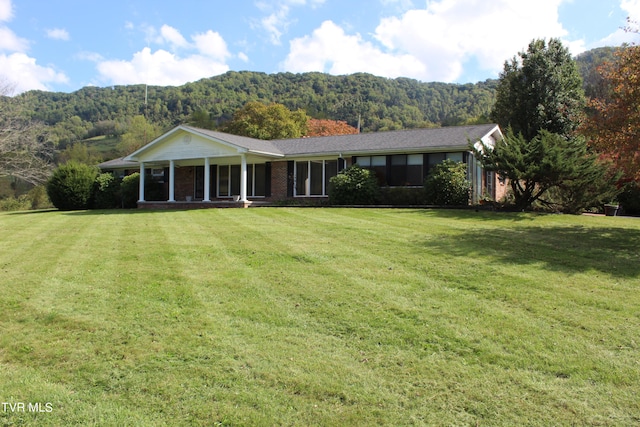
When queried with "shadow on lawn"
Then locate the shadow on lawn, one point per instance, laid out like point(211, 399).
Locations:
point(574, 249)
point(92, 212)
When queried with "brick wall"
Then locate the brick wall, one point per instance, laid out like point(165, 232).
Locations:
point(184, 182)
point(278, 180)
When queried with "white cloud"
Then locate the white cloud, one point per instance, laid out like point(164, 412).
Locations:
point(278, 20)
point(6, 10)
point(173, 36)
point(16, 66)
point(448, 33)
point(632, 10)
point(9, 41)
point(330, 49)
point(182, 62)
point(89, 56)
point(211, 44)
point(159, 68)
point(22, 70)
point(58, 34)
point(631, 7)
point(433, 43)
point(276, 24)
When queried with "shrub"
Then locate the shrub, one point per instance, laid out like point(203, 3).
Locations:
point(21, 203)
point(71, 186)
point(353, 186)
point(447, 184)
point(629, 198)
point(38, 197)
point(130, 190)
point(106, 191)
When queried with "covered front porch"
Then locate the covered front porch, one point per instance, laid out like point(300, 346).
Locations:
point(218, 179)
point(199, 169)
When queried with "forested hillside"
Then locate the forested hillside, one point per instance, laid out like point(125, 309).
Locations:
point(376, 103)
point(380, 103)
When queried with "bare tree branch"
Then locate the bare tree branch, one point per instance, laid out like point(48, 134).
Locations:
point(25, 150)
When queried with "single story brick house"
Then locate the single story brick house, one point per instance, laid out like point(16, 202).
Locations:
point(199, 166)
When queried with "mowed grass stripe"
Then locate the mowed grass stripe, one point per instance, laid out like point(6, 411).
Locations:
point(323, 317)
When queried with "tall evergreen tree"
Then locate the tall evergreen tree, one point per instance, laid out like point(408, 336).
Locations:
point(540, 89)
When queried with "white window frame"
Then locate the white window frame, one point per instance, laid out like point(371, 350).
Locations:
point(308, 181)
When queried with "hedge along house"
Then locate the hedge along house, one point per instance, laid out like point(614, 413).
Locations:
point(203, 168)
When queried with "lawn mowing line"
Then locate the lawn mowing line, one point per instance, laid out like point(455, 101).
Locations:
point(270, 325)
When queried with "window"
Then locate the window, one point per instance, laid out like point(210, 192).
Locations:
point(406, 170)
point(456, 157)
point(312, 177)
point(377, 164)
point(414, 169)
point(398, 173)
point(490, 188)
point(229, 180)
point(256, 180)
point(223, 181)
point(436, 158)
point(403, 169)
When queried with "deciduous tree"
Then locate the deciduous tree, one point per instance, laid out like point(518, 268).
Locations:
point(614, 125)
point(325, 127)
point(25, 150)
point(139, 133)
point(262, 121)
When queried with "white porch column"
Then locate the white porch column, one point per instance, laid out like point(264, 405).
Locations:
point(172, 181)
point(141, 193)
point(243, 178)
point(207, 179)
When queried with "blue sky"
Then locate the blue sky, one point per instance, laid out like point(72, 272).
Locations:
point(63, 45)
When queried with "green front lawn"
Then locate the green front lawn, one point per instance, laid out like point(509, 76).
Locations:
point(284, 316)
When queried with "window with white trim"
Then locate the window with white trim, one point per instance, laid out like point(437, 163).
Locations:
point(312, 177)
point(229, 180)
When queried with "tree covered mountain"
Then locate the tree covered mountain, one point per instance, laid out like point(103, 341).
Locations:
point(376, 103)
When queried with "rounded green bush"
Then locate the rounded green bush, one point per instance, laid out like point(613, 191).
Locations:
point(447, 184)
point(106, 192)
point(71, 186)
point(353, 186)
point(130, 188)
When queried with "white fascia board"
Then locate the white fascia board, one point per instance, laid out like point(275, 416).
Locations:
point(489, 140)
point(264, 153)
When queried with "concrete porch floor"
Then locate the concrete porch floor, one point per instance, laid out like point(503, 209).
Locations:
point(199, 204)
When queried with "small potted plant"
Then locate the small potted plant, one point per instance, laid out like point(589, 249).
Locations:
point(611, 209)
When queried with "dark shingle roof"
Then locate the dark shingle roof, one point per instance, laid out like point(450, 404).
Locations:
point(432, 139)
point(412, 140)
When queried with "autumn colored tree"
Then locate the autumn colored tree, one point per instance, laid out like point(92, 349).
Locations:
point(613, 127)
point(272, 121)
point(325, 127)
